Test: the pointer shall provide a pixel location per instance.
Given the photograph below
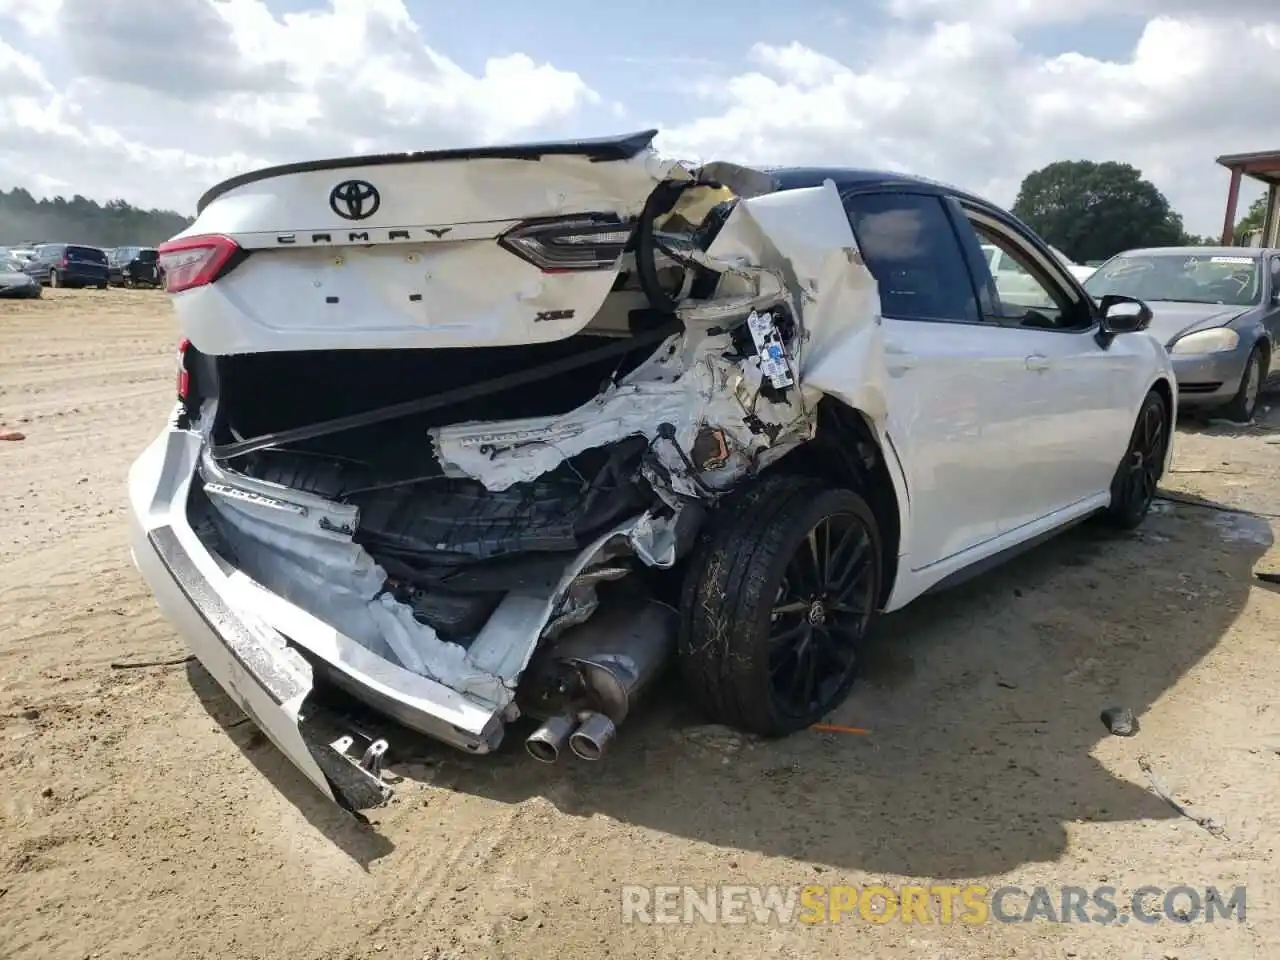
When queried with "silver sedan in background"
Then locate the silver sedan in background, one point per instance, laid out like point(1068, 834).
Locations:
point(13, 281)
point(1217, 310)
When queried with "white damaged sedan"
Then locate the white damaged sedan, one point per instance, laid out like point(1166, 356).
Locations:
point(477, 436)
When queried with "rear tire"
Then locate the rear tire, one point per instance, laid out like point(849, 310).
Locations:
point(1133, 488)
point(778, 598)
point(102, 286)
point(1245, 402)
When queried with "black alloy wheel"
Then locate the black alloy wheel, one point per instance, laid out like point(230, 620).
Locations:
point(1133, 489)
point(820, 617)
point(779, 596)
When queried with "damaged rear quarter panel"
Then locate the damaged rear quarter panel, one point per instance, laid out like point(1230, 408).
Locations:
point(803, 238)
point(800, 236)
point(805, 234)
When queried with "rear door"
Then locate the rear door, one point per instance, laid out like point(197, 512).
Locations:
point(46, 255)
point(953, 376)
point(1069, 418)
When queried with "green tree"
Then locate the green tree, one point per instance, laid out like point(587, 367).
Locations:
point(1092, 211)
point(1252, 220)
point(117, 223)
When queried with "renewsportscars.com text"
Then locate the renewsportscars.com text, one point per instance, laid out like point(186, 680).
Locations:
point(936, 903)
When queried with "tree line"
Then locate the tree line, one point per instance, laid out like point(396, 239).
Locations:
point(116, 223)
point(1090, 211)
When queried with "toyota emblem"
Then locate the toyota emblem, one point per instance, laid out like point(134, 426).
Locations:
point(355, 199)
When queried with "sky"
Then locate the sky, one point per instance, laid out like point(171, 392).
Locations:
point(156, 100)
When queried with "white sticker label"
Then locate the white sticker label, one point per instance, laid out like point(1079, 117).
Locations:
point(773, 355)
point(1244, 260)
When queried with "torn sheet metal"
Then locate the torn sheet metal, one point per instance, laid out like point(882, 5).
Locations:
point(805, 235)
point(338, 582)
point(316, 567)
point(745, 182)
point(687, 383)
point(792, 251)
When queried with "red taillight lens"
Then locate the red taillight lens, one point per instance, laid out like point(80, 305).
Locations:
point(184, 377)
point(564, 244)
point(195, 261)
point(63, 263)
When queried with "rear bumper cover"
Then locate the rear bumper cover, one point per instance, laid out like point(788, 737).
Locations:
point(89, 276)
point(250, 661)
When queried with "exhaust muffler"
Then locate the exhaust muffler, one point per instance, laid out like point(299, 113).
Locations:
point(614, 656)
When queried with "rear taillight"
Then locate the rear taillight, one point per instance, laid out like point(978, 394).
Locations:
point(63, 263)
point(184, 375)
point(196, 261)
point(563, 244)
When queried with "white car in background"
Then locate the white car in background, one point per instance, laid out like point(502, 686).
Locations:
point(1001, 262)
point(483, 434)
point(21, 254)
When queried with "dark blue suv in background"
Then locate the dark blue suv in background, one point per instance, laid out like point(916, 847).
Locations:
point(68, 265)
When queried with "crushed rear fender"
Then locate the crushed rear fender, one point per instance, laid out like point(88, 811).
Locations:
point(791, 251)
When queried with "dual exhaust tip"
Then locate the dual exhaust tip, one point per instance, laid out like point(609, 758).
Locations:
point(588, 735)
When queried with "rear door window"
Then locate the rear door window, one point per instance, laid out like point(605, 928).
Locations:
point(912, 250)
point(147, 256)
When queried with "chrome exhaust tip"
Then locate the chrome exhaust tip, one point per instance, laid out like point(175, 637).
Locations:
point(592, 737)
point(545, 743)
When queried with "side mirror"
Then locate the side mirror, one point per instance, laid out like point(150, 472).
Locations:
point(1121, 314)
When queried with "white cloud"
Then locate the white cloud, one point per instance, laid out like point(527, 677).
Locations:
point(968, 104)
point(1039, 12)
point(154, 100)
point(167, 96)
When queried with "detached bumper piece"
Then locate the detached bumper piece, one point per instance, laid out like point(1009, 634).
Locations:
point(253, 672)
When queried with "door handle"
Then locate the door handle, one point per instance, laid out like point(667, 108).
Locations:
point(1037, 362)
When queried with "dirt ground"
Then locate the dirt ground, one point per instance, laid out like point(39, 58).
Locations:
point(139, 817)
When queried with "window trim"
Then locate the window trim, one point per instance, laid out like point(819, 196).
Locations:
point(1046, 270)
point(944, 202)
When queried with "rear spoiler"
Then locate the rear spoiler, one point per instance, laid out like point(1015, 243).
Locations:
point(597, 150)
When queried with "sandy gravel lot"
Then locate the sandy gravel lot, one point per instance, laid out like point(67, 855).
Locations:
point(139, 817)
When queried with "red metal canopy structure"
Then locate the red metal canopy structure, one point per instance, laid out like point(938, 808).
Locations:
point(1263, 167)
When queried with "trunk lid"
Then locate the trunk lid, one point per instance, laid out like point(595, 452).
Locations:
point(485, 247)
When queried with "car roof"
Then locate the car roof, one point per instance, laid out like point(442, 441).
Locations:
point(795, 178)
point(856, 178)
point(1253, 253)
